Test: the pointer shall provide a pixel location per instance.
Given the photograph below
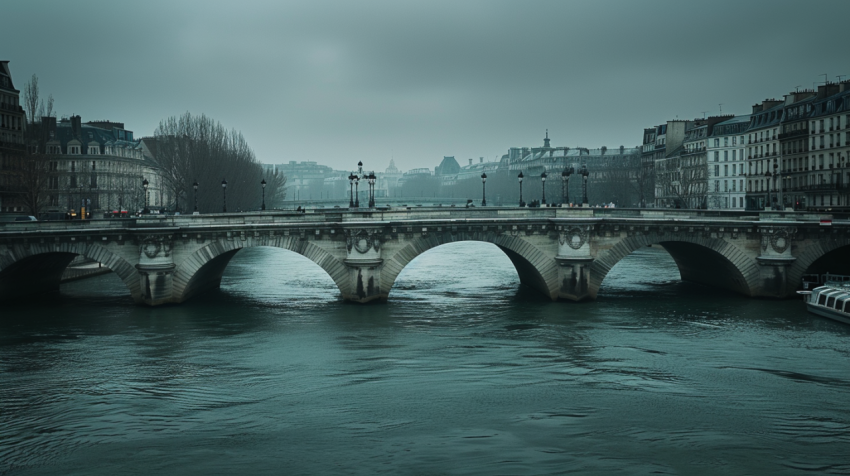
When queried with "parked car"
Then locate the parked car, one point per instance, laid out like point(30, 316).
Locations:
point(9, 218)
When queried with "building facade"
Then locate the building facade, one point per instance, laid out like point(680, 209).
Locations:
point(98, 165)
point(763, 149)
point(794, 149)
point(12, 145)
point(725, 153)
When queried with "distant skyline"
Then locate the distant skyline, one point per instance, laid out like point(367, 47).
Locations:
point(338, 82)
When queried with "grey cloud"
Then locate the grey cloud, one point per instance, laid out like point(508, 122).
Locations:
point(339, 82)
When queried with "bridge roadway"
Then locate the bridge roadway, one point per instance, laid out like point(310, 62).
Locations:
point(564, 253)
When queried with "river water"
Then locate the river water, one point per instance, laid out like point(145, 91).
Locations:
point(461, 372)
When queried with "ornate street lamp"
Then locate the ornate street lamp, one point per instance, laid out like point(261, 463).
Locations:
point(483, 189)
point(195, 186)
point(519, 177)
point(356, 189)
point(82, 202)
point(144, 186)
point(351, 190)
point(224, 191)
point(584, 173)
point(565, 190)
point(263, 183)
point(371, 178)
point(769, 204)
point(779, 204)
point(543, 181)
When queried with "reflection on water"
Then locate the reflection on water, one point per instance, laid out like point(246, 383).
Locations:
point(461, 373)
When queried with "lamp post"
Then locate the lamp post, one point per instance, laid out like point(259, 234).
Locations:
point(767, 175)
point(224, 191)
point(584, 173)
point(483, 189)
point(195, 186)
point(543, 181)
point(82, 203)
point(372, 179)
point(88, 200)
point(519, 177)
point(144, 186)
point(356, 188)
point(776, 185)
point(263, 183)
point(351, 190)
point(565, 192)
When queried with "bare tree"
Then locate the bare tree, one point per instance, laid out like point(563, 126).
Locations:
point(197, 148)
point(685, 179)
point(33, 176)
point(32, 102)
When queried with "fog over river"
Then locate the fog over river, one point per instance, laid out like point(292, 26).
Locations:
point(462, 372)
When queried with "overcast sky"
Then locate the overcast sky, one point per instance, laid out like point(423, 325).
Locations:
point(342, 81)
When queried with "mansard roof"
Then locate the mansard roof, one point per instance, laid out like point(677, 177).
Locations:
point(6, 77)
point(767, 118)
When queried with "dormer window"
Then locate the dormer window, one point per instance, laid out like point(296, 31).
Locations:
point(74, 149)
point(94, 150)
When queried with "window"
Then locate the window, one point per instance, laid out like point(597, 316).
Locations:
point(734, 166)
point(716, 156)
point(716, 142)
point(725, 170)
point(73, 166)
point(726, 156)
point(717, 185)
point(716, 170)
point(733, 154)
point(73, 181)
point(725, 185)
point(725, 142)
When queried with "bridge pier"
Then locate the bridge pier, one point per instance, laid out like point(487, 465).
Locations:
point(574, 260)
point(156, 270)
point(363, 260)
point(774, 263)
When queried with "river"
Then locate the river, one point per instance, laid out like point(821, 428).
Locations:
point(461, 373)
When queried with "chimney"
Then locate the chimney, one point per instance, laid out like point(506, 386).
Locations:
point(481, 160)
point(48, 124)
point(76, 126)
point(470, 161)
point(828, 89)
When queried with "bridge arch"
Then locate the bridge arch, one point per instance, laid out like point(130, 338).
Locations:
point(815, 254)
point(534, 267)
point(203, 269)
point(711, 261)
point(29, 270)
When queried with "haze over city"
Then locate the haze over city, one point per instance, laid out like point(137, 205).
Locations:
point(339, 82)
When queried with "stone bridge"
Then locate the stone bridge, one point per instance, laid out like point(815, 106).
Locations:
point(564, 253)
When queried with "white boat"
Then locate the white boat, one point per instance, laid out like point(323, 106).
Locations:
point(831, 300)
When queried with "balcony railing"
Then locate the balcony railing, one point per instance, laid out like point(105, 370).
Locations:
point(796, 133)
